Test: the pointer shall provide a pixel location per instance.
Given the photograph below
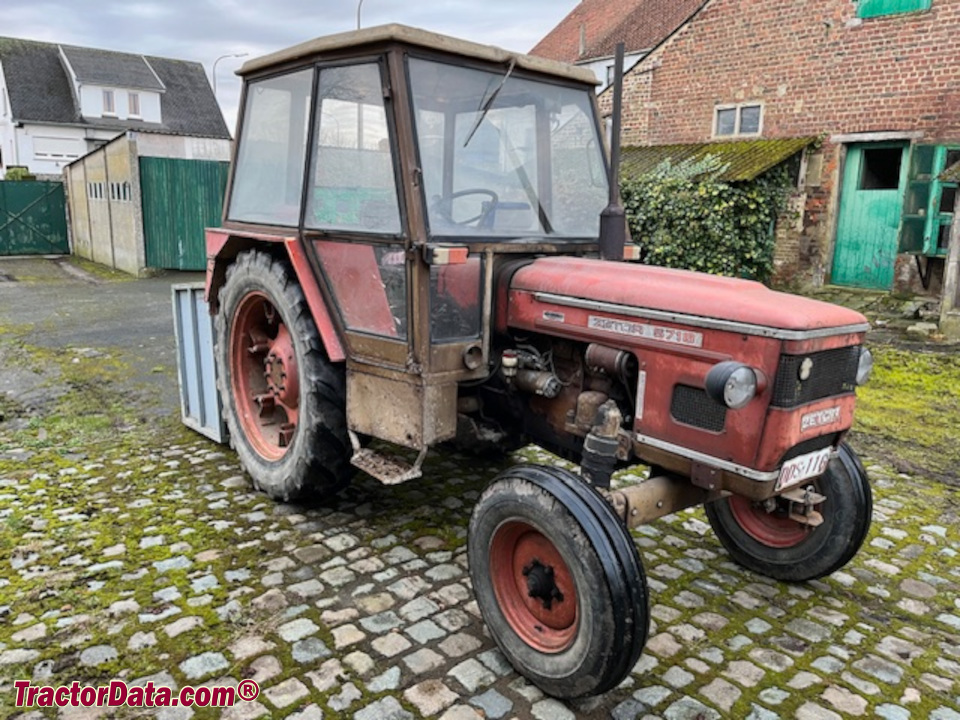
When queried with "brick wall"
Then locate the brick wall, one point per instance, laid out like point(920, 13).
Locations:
point(818, 70)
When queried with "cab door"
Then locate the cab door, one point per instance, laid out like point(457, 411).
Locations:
point(356, 226)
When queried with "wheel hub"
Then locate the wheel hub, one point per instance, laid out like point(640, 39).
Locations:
point(775, 524)
point(264, 376)
point(534, 587)
point(541, 584)
point(280, 367)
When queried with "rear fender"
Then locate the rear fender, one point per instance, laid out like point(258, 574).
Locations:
point(223, 246)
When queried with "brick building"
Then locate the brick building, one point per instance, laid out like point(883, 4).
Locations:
point(877, 81)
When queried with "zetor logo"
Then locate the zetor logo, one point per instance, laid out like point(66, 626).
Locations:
point(819, 418)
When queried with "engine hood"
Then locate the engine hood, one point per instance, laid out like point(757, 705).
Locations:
point(681, 292)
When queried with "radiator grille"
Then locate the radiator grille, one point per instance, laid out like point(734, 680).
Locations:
point(692, 406)
point(834, 372)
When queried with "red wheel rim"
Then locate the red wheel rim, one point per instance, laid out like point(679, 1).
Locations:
point(533, 587)
point(773, 529)
point(264, 376)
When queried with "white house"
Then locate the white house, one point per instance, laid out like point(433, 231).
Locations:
point(59, 102)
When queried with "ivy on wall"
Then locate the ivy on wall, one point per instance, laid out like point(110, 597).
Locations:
point(684, 216)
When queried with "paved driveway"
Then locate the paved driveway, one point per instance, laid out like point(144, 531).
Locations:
point(142, 554)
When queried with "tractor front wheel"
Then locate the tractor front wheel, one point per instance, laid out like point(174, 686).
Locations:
point(558, 581)
point(762, 537)
point(284, 401)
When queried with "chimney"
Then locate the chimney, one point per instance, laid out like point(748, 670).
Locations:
point(583, 39)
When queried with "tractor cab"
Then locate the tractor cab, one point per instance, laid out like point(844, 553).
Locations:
point(405, 163)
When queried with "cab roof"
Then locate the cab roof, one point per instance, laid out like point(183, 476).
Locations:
point(419, 38)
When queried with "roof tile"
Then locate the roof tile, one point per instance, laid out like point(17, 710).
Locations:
point(639, 24)
point(113, 69)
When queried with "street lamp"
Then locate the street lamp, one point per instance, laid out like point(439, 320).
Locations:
point(359, 5)
point(223, 57)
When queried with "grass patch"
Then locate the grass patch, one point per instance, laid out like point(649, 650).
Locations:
point(907, 414)
point(99, 271)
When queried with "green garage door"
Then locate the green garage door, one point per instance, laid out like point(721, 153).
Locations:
point(180, 199)
point(33, 219)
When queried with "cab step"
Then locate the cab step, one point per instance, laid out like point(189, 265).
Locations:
point(388, 468)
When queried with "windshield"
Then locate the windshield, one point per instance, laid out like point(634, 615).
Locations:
point(504, 156)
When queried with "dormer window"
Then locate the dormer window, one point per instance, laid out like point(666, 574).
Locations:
point(133, 104)
point(109, 103)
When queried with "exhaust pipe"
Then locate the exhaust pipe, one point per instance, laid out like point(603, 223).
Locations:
point(613, 219)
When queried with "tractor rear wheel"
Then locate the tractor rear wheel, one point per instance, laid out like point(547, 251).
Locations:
point(284, 401)
point(558, 580)
point(765, 540)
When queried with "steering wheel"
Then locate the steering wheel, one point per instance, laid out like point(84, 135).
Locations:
point(444, 206)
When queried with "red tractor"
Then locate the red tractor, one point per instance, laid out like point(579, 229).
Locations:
point(411, 252)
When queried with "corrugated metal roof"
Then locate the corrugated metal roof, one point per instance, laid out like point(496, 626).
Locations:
point(951, 174)
point(745, 159)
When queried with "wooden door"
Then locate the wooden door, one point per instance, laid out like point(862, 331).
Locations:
point(870, 205)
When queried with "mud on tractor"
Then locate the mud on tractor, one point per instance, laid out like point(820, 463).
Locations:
point(411, 253)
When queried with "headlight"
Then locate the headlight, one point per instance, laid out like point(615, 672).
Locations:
point(732, 384)
point(864, 367)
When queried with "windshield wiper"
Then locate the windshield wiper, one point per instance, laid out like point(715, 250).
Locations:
point(488, 102)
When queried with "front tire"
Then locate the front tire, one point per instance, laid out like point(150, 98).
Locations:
point(284, 401)
point(558, 580)
point(770, 544)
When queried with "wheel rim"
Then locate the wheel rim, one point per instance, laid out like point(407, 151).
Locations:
point(534, 587)
point(773, 529)
point(265, 379)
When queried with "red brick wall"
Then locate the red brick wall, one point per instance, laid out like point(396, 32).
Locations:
point(814, 65)
point(818, 70)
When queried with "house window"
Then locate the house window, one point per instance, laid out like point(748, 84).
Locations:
point(726, 121)
point(877, 8)
point(610, 74)
point(56, 149)
point(743, 119)
point(133, 102)
point(109, 104)
point(120, 192)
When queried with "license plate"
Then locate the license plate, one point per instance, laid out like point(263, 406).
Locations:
point(803, 467)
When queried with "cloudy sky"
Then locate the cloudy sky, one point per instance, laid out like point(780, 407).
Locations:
point(203, 30)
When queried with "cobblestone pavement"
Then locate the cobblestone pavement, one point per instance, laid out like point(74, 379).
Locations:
point(150, 558)
point(165, 565)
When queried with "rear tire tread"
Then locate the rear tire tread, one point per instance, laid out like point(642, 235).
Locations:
point(317, 464)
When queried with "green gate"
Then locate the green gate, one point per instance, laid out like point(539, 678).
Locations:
point(180, 199)
point(33, 218)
